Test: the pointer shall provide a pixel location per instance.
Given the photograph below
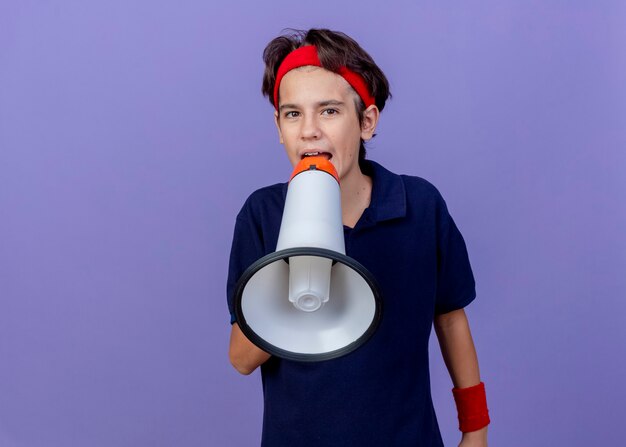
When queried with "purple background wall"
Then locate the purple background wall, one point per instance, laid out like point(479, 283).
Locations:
point(132, 131)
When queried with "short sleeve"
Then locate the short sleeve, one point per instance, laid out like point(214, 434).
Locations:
point(455, 281)
point(247, 247)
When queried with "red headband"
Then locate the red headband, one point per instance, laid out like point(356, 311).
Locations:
point(307, 55)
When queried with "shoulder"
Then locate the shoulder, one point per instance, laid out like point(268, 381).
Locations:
point(422, 193)
point(419, 186)
point(424, 199)
point(268, 199)
point(413, 194)
point(414, 186)
point(266, 193)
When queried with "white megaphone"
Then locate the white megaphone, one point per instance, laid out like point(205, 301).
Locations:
point(308, 301)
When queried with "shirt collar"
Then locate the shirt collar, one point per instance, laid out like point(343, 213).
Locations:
point(388, 200)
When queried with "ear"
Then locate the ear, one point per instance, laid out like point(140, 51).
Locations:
point(370, 120)
point(277, 122)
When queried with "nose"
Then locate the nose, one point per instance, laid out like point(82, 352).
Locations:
point(310, 128)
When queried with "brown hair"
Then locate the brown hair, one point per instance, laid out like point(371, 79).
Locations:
point(335, 49)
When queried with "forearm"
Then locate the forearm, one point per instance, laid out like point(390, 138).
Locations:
point(457, 348)
point(459, 354)
point(243, 354)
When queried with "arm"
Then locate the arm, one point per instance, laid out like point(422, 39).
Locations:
point(459, 355)
point(243, 354)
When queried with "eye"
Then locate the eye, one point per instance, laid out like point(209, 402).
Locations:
point(330, 111)
point(291, 114)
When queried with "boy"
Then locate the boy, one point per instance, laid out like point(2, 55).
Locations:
point(328, 93)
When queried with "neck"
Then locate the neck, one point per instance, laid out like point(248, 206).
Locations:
point(356, 191)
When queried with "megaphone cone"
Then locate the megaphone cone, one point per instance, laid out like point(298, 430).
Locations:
point(308, 301)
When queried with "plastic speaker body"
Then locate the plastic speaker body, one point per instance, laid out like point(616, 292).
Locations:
point(308, 301)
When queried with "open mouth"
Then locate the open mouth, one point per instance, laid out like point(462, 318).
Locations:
point(326, 155)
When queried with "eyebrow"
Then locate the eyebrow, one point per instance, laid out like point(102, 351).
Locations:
point(329, 102)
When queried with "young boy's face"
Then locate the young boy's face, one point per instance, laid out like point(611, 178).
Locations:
point(318, 114)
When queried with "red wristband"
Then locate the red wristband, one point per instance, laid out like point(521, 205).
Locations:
point(471, 405)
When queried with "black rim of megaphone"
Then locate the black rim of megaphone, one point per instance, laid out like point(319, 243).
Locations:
point(306, 251)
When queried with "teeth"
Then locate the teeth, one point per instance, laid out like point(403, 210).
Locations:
point(309, 154)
